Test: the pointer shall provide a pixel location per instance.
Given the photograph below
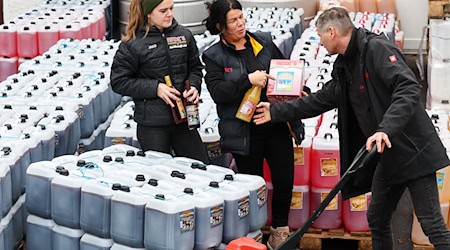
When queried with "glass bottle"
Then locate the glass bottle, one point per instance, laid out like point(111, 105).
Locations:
point(248, 104)
point(178, 112)
point(193, 118)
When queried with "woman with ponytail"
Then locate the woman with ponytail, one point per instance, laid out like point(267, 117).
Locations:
point(155, 46)
point(237, 62)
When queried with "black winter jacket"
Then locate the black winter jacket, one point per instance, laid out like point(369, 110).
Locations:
point(394, 97)
point(227, 81)
point(141, 64)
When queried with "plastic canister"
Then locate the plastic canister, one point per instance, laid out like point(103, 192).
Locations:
point(325, 162)
point(95, 215)
point(8, 233)
point(27, 46)
point(9, 156)
point(237, 209)
point(169, 223)
point(331, 217)
point(8, 67)
point(39, 233)
point(258, 197)
point(120, 133)
point(91, 242)
point(127, 219)
point(17, 222)
point(355, 213)
point(38, 178)
point(302, 162)
point(5, 189)
point(66, 238)
point(299, 212)
point(8, 38)
point(48, 36)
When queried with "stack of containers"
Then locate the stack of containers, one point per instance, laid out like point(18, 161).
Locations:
point(136, 196)
point(34, 32)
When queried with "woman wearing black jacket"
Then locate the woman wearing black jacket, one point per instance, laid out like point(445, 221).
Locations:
point(155, 46)
point(237, 62)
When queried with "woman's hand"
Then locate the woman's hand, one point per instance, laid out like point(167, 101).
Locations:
point(168, 94)
point(191, 95)
point(259, 78)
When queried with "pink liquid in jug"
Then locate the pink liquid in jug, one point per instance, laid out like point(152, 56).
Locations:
point(331, 217)
point(299, 212)
point(355, 213)
point(8, 41)
point(269, 187)
point(325, 162)
point(8, 66)
point(72, 30)
point(27, 42)
point(47, 37)
point(302, 162)
point(266, 171)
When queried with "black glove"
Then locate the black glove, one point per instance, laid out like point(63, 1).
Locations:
point(297, 130)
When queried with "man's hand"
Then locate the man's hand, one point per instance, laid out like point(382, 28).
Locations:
point(168, 94)
point(381, 139)
point(191, 95)
point(263, 113)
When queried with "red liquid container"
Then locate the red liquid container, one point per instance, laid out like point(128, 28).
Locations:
point(8, 66)
point(27, 42)
point(302, 162)
point(355, 213)
point(71, 30)
point(47, 37)
point(325, 162)
point(8, 41)
point(299, 212)
point(331, 217)
point(269, 187)
point(266, 171)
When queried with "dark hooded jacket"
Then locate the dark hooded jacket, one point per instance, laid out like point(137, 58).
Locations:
point(394, 98)
point(140, 65)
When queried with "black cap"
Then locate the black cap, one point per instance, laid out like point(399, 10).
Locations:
point(116, 186)
point(435, 116)
point(130, 153)
point(214, 184)
point(59, 108)
point(153, 182)
point(160, 196)
point(7, 106)
point(81, 163)
point(125, 189)
point(140, 177)
point(141, 153)
point(59, 168)
point(8, 126)
point(119, 159)
point(64, 172)
point(188, 191)
point(229, 177)
point(107, 158)
point(24, 116)
point(33, 108)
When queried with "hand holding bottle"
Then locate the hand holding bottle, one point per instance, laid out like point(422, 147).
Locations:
point(191, 95)
point(168, 94)
point(259, 78)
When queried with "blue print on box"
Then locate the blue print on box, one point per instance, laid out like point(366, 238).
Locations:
point(285, 81)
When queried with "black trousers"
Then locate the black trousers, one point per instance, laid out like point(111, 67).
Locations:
point(274, 143)
point(184, 142)
point(425, 197)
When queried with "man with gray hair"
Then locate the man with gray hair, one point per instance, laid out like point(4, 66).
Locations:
point(378, 98)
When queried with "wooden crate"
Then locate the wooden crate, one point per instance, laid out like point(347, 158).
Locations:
point(436, 8)
point(313, 239)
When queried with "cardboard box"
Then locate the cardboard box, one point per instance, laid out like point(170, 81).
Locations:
point(289, 80)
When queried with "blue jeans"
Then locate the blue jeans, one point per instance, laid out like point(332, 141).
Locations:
point(425, 197)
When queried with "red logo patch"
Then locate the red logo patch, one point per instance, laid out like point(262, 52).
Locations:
point(228, 70)
point(366, 75)
point(361, 88)
point(393, 59)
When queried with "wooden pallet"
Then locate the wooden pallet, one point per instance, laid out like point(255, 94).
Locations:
point(423, 247)
point(312, 240)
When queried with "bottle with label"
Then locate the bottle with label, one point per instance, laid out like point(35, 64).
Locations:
point(178, 112)
point(248, 104)
point(193, 118)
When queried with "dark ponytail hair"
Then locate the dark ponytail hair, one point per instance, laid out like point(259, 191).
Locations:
point(218, 10)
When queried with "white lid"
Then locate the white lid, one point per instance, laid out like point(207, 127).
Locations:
point(73, 233)
point(219, 169)
point(303, 188)
point(203, 200)
point(251, 182)
point(119, 148)
point(39, 221)
point(129, 198)
point(170, 204)
point(94, 240)
point(94, 187)
point(122, 247)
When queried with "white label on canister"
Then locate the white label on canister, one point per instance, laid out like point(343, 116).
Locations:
point(187, 220)
point(216, 215)
point(261, 195)
point(243, 207)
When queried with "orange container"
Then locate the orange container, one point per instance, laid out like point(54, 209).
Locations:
point(387, 6)
point(350, 5)
point(443, 183)
point(245, 244)
point(368, 5)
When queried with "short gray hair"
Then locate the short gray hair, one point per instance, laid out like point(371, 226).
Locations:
point(336, 17)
